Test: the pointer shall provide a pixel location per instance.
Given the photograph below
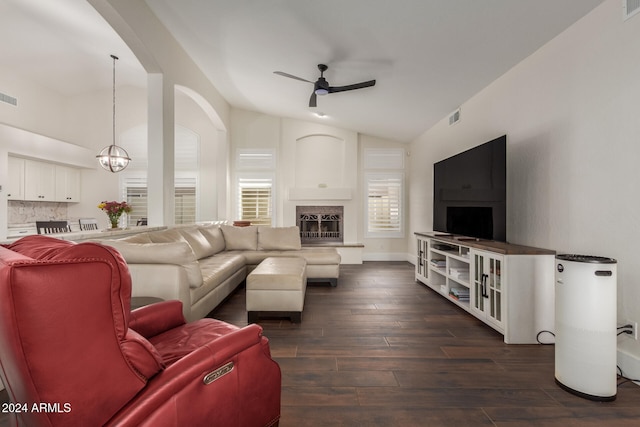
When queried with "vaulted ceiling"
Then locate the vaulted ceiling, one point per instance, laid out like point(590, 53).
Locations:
point(427, 56)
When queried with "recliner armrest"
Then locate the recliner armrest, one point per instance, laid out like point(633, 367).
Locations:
point(154, 319)
point(228, 345)
point(244, 393)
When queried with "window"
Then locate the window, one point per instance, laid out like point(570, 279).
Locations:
point(384, 205)
point(254, 200)
point(135, 193)
point(133, 181)
point(384, 192)
point(185, 200)
point(255, 185)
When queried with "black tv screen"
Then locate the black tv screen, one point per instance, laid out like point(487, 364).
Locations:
point(470, 192)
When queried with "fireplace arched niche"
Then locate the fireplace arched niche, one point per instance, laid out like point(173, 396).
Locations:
point(320, 161)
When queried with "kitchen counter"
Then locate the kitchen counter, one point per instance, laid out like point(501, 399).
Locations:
point(80, 236)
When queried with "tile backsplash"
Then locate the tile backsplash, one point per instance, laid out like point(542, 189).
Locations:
point(20, 212)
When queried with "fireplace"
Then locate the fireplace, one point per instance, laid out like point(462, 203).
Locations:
point(320, 224)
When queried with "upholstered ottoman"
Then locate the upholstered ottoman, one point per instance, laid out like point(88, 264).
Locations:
point(276, 287)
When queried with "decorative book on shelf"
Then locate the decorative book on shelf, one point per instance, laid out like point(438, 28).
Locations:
point(461, 294)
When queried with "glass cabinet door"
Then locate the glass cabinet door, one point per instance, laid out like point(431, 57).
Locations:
point(478, 282)
point(495, 289)
point(421, 261)
point(487, 287)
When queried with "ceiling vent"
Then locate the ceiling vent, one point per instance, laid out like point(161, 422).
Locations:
point(455, 116)
point(8, 99)
point(630, 8)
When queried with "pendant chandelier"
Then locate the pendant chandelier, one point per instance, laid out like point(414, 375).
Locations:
point(113, 158)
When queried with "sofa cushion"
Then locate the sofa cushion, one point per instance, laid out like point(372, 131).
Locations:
point(202, 248)
point(137, 238)
point(313, 256)
point(215, 270)
point(166, 236)
point(240, 238)
point(176, 253)
point(214, 235)
point(279, 238)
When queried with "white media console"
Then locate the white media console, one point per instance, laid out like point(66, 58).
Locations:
point(509, 287)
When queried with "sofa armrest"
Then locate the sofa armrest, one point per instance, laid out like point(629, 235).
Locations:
point(154, 319)
point(164, 281)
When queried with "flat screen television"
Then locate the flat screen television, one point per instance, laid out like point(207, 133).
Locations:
point(470, 192)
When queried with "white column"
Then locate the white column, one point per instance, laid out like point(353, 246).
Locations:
point(161, 141)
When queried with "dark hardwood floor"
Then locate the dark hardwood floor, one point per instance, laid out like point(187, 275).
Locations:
point(384, 350)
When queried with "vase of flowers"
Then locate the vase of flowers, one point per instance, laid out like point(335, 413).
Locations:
point(114, 211)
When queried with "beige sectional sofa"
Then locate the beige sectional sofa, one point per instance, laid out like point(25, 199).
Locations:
point(202, 265)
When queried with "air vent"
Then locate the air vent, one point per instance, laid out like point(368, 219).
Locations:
point(630, 8)
point(454, 117)
point(8, 99)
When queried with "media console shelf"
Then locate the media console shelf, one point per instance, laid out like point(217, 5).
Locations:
point(509, 287)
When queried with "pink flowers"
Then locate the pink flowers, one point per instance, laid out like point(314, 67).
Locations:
point(114, 210)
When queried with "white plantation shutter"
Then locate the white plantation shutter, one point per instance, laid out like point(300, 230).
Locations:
point(384, 192)
point(255, 195)
point(134, 191)
point(133, 181)
point(255, 184)
point(254, 159)
point(384, 204)
point(384, 158)
point(185, 200)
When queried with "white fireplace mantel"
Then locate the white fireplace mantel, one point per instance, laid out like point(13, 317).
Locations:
point(320, 193)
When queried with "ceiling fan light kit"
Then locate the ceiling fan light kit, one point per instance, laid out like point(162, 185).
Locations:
point(321, 86)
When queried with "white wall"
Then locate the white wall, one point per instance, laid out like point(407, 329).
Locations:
point(570, 115)
point(257, 130)
point(39, 110)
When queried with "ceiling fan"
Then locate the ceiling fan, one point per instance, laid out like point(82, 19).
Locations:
point(321, 86)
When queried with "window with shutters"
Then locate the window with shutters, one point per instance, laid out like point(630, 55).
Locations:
point(135, 193)
point(134, 188)
point(255, 185)
point(133, 180)
point(255, 196)
point(384, 192)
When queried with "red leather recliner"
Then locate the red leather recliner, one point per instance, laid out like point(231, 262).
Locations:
point(73, 354)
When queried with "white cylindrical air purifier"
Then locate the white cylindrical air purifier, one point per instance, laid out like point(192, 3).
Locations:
point(585, 326)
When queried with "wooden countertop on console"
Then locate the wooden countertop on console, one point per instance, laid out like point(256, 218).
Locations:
point(487, 245)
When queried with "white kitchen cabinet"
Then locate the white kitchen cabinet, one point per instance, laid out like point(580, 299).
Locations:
point(33, 180)
point(39, 181)
point(15, 188)
point(67, 184)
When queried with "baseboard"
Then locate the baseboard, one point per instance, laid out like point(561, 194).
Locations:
point(629, 357)
point(384, 256)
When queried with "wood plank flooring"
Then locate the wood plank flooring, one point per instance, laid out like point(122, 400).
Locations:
point(383, 350)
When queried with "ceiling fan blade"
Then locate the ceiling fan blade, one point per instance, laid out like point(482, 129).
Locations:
point(291, 76)
point(369, 83)
point(313, 100)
